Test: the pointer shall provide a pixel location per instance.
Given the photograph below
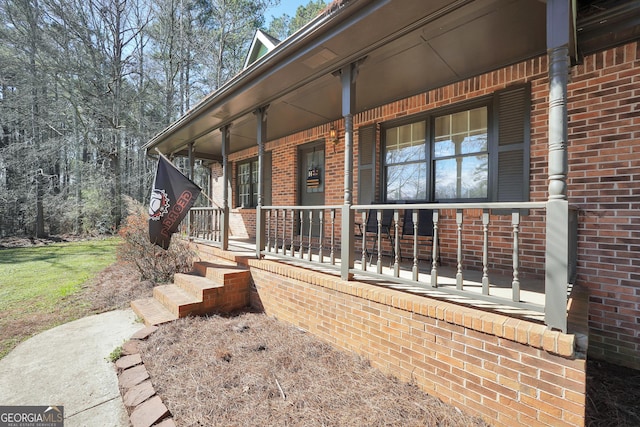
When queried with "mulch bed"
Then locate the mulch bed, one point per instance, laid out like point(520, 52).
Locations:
point(252, 370)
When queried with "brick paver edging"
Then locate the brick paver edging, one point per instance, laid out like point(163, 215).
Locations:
point(144, 406)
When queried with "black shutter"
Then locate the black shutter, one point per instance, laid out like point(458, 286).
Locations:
point(513, 132)
point(366, 165)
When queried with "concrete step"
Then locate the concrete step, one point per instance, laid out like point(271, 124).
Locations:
point(152, 311)
point(178, 301)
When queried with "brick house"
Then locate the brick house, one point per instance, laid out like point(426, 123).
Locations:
point(449, 188)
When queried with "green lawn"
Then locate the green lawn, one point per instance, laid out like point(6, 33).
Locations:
point(36, 284)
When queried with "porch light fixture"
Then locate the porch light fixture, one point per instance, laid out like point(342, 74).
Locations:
point(333, 135)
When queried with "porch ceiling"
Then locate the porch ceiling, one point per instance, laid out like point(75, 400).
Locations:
point(410, 47)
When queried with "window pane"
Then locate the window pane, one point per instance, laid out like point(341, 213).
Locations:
point(478, 118)
point(244, 185)
point(444, 147)
point(474, 177)
point(405, 143)
point(474, 143)
point(407, 182)
point(446, 173)
point(467, 133)
point(254, 172)
point(462, 177)
point(443, 125)
point(460, 122)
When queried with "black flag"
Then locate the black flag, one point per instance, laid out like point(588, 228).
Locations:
point(172, 196)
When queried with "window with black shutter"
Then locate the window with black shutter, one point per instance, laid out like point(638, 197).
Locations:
point(475, 151)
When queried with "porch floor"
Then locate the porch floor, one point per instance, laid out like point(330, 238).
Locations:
point(531, 290)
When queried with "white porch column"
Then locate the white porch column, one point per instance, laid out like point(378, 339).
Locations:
point(348, 80)
point(226, 180)
point(191, 163)
point(261, 119)
point(559, 19)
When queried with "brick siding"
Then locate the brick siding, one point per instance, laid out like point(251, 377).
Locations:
point(603, 182)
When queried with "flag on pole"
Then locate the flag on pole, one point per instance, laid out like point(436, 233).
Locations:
point(172, 196)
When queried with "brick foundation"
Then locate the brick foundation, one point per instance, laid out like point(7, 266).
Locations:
point(509, 371)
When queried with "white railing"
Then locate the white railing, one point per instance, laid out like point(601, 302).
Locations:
point(307, 233)
point(205, 223)
point(493, 252)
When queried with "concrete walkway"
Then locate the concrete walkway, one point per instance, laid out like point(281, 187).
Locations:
point(68, 365)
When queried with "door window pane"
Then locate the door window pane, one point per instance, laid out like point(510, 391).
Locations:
point(315, 161)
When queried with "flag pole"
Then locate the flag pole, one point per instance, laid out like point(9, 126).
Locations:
point(202, 193)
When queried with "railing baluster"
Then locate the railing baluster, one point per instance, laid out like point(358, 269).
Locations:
point(459, 278)
point(321, 242)
point(301, 254)
point(364, 240)
point(284, 231)
point(207, 224)
point(396, 243)
point(268, 215)
point(379, 242)
point(515, 284)
point(332, 255)
point(293, 228)
point(434, 253)
point(414, 268)
point(485, 252)
point(275, 231)
point(191, 231)
point(202, 225)
point(310, 232)
point(217, 229)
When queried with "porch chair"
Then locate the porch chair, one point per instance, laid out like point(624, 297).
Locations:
point(425, 226)
point(371, 227)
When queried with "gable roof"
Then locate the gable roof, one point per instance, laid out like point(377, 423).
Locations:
point(262, 44)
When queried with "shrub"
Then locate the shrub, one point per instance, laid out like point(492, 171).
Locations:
point(153, 262)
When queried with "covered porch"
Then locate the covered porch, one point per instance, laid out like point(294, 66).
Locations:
point(517, 257)
point(461, 258)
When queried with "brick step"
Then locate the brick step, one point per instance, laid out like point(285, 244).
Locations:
point(197, 286)
point(152, 311)
point(178, 301)
point(214, 254)
point(221, 272)
point(218, 286)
